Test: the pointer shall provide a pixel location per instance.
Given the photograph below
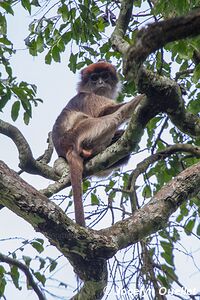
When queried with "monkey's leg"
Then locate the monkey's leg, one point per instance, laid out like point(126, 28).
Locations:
point(76, 170)
point(131, 105)
point(97, 133)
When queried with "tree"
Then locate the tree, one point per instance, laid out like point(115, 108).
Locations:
point(155, 45)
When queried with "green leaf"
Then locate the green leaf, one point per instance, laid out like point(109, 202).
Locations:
point(196, 75)
point(194, 105)
point(33, 48)
point(2, 271)
point(27, 260)
point(66, 37)
point(163, 281)
point(27, 5)
point(4, 99)
point(15, 110)
point(112, 195)
point(167, 247)
point(90, 50)
point(55, 53)
point(3, 25)
point(170, 271)
point(26, 118)
point(40, 277)
point(189, 226)
point(63, 10)
point(7, 7)
point(15, 276)
point(19, 92)
point(72, 62)
point(147, 192)
point(94, 199)
point(35, 3)
point(48, 58)
point(86, 185)
point(198, 230)
point(2, 286)
point(38, 246)
point(61, 45)
point(41, 241)
point(168, 258)
point(2, 280)
point(168, 252)
point(40, 43)
point(5, 41)
point(110, 185)
point(53, 265)
point(42, 262)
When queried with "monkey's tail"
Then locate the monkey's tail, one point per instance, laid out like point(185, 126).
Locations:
point(76, 170)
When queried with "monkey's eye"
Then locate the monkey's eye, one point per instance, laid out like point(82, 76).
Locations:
point(105, 75)
point(94, 77)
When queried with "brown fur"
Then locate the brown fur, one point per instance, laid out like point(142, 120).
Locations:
point(89, 123)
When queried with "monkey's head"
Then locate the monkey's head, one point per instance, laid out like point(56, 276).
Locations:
point(100, 78)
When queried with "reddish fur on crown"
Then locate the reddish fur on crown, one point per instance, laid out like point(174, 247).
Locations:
point(99, 65)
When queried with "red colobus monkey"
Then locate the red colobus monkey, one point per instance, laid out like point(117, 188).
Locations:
point(89, 123)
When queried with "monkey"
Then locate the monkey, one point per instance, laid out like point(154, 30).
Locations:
point(89, 123)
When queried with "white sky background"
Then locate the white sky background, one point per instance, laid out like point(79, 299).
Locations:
point(56, 85)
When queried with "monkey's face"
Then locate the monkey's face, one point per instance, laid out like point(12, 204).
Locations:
point(99, 78)
point(101, 82)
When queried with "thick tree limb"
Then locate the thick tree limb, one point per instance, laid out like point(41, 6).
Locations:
point(26, 271)
point(86, 249)
point(156, 35)
point(73, 241)
point(165, 94)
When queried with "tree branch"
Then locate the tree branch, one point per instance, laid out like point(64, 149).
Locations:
point(154, 215)
point(117, 38)
point(27, 161)
point(46, 157)
point(157, 35)
point(143, 165)
point(165, 95)
point(25, 270)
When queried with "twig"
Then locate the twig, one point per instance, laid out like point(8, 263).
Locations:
point(26, 271)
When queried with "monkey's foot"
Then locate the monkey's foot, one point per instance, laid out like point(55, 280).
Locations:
point(86, 153)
